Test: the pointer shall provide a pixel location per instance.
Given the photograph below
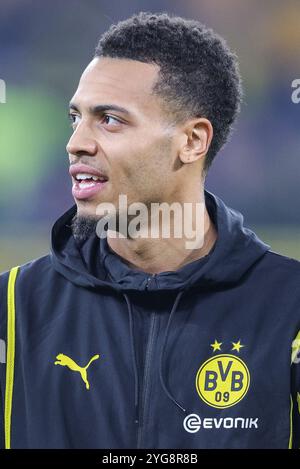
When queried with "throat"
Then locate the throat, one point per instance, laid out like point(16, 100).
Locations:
point(160, 255)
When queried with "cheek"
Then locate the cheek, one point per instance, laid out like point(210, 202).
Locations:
point(152, 173)
point(140, 161)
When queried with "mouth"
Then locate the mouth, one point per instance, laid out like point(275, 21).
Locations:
point(87, 181)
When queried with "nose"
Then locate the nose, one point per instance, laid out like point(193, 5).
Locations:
point(81, 142)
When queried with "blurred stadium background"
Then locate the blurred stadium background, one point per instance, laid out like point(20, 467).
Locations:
point(44, 47)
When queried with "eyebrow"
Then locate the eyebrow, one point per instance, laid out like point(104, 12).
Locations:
point(101, 108)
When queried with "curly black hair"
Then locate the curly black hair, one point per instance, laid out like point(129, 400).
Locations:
point(198, 77)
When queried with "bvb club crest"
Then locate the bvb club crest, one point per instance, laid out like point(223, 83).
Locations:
point(223, 380)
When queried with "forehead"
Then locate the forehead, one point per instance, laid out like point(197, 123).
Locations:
point(123, 82)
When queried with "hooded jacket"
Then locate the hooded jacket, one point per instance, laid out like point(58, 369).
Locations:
point(100, 355)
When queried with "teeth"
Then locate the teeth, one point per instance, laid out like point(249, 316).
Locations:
point(84, 185)
point(82, 176)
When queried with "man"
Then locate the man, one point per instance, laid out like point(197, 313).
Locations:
point(139, 342)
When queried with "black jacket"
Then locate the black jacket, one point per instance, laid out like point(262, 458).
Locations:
point(109, 357)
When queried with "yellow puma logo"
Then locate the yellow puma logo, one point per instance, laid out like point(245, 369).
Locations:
point(63, 360)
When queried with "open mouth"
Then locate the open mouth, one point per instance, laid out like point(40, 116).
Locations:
point(87, 185)
point(89, 180)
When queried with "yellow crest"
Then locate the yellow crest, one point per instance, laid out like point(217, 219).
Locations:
point(222, 381)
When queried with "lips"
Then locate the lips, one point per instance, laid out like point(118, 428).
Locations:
point(87, 181)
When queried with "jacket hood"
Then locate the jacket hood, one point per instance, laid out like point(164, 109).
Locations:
point(93, 264)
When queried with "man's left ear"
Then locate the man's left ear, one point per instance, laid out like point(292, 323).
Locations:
point(198, 137)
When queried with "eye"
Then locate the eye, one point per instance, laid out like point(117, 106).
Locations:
point(107, 119)
point(73, 118)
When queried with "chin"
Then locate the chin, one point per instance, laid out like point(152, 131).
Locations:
point(86, 208)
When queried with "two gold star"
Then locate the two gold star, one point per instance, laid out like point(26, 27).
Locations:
point(216, 345)
point(236, 346)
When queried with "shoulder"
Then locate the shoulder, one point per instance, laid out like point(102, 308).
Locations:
point(32, 271)
point(283, 263)
point(281, 274)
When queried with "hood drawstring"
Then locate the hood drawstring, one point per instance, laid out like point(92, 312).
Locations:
point(134, 361)
point(161, 370)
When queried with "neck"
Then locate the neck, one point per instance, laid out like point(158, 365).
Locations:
point(155, 255)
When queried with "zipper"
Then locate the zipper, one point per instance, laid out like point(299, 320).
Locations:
point(146, 379)
point(147, 369)
point(149, 280)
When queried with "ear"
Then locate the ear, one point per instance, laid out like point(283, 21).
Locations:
point(197, 135)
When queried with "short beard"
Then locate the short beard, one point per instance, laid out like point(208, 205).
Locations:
point(83, 227)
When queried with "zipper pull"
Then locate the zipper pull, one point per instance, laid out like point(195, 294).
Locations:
point(149, 279)
point(148, 283)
